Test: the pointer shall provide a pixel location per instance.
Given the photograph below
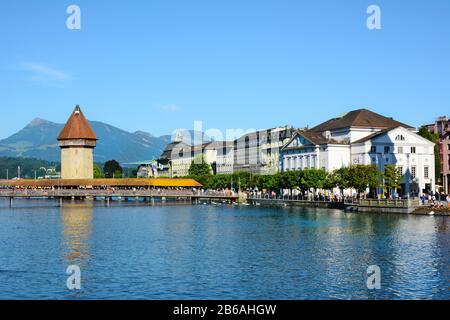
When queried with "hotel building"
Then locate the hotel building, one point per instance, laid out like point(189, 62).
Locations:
point(364, 137)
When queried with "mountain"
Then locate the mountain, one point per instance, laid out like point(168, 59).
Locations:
point(38, 140)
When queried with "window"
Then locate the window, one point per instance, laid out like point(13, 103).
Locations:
point(413, 172)
point(413, 149)
point(373, 149)
point(399, 138)
point(426, 172)
point(387, 149)
point(400, 170)
point(400, 150)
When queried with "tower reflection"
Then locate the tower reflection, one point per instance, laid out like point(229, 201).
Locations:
point(76, 218)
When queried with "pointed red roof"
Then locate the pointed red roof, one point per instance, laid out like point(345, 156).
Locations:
point(77, 127)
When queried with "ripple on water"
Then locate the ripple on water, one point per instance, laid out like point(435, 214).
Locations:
point(218, 252)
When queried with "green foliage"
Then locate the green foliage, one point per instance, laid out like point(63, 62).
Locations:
point(433, 137)
point(112, 169)
point(361, 177)
point(243, 179)
point(28, 166)
point(268, 182)
point(221, 181)
point(392, 178)
point(313, 178)
point(98, 172)
point(199, 167)
point(424, 132)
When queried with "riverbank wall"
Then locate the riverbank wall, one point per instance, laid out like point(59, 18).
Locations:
point(296, 203)
point(375, 206)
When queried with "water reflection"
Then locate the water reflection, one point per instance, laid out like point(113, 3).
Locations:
point(212, 252)
point(76, 218)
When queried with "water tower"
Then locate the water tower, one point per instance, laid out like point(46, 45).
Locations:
point(77, 141)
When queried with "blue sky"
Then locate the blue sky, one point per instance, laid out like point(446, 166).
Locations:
point(159, 65)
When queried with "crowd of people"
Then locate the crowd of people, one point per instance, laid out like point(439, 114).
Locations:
point(436, 200)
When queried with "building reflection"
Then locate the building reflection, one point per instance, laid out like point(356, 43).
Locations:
point(76, 218)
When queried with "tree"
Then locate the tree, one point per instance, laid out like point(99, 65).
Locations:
point(28, 167)
point(112, 169)
point(221, 181)
point(361, 177)
point(289, 179)
point(392, 178)
point(313, 179)
point(98, 174)
point(199, 167)
point(269, 182)
point(241, 179)
point(433, 137)
point(341, 178)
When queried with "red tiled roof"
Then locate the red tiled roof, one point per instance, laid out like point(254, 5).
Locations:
point(77, 127)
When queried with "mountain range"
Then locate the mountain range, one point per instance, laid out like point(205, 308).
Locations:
point(38, 140)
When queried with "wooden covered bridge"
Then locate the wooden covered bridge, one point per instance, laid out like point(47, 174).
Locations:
point(109, 189)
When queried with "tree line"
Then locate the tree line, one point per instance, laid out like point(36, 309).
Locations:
point(29, 167)
point(358, 177)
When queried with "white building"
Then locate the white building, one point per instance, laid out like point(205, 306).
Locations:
point(364, 137)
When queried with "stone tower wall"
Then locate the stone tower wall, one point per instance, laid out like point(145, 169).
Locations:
point(77, 163)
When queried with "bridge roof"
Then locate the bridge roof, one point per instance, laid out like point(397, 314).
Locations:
point(48, 183)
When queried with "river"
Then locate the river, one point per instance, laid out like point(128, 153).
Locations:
point(141, 251)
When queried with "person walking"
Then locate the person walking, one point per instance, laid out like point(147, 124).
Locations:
point(424, 199)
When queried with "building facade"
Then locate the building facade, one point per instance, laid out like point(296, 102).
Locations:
point(444, 156)
point(442, 128)
point(77, 141)
point(364, 137)
point(259, 152)
point(178, 156)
